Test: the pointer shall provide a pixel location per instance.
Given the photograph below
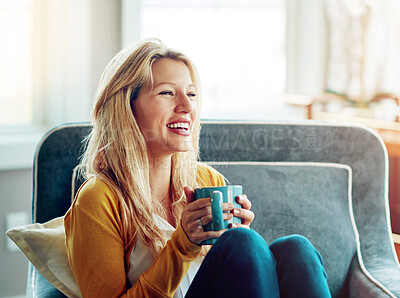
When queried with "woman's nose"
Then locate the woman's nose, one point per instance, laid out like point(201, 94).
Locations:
point(184, 103)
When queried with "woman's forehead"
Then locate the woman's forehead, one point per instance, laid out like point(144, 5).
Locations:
point(167, 70)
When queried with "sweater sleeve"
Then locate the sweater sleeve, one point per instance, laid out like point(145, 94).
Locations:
point(97, 256)
point(94, 242)
point(208, 176)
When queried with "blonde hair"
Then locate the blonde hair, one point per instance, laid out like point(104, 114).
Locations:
point(116, 148)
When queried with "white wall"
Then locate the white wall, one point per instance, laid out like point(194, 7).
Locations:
point(15, 196)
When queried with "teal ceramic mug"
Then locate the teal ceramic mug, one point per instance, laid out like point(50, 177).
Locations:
point(219, 195)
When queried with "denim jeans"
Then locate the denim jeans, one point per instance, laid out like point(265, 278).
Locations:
point(241, 264)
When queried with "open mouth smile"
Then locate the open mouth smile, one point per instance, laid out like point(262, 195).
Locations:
point(179, 125)
point(181, 128)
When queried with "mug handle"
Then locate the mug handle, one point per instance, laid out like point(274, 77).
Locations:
point(216, 207)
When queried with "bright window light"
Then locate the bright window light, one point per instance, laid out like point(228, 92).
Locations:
point(16, 90)
point(238, 47)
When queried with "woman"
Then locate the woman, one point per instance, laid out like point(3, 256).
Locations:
point(134, 228)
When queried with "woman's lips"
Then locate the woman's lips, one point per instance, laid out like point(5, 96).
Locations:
point(179, 127)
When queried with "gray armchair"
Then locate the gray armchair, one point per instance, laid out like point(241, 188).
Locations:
point(328, 182)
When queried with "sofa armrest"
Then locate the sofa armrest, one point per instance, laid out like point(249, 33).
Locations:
point(363, 285)
point(37, 286)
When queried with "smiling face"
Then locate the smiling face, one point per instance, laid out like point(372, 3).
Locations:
point(167, 110)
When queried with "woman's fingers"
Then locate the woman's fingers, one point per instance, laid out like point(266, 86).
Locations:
point(244, 201)
point(235, 225)
point(194, 212)
point(247, 216)
point(189, 194)
point(202, 208)
point(199, 237)
point(227, 206)
point(197, 214)
point(244, 213)
point(199, 204)
point(206, 219)
point(196, 234)
point(192, 227)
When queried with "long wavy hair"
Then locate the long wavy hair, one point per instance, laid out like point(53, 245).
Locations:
point(116, 150)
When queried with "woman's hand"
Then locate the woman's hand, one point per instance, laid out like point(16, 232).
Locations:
point(197, 213)
point(244, 213)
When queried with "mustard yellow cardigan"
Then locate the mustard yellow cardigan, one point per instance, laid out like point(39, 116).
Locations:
point(96, 252)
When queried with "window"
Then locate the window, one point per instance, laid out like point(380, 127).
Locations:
point(364, 47)
point(45, 71)
point(238, 47)
point(16, 39)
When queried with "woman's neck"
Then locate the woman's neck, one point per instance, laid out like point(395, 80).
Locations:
point(160, 183)
point(160, 177)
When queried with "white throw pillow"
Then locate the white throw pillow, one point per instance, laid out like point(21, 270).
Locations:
point(44, 246)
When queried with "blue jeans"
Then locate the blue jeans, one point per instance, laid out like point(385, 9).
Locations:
point(241, 264)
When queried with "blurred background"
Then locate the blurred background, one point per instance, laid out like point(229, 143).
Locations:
point(258, 60)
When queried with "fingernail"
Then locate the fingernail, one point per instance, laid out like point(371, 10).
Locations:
point(230, 205)
point(236, 212)
point(232, 225)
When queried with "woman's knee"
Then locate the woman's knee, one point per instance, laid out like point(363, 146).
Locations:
point(241, 255)
point(292, 244)
point(300, 267)
point(243, 244)
point(243, 239)
point(240, 234)
point(245, 252)
point(296, 249)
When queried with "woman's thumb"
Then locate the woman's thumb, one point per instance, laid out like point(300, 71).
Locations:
point(189, 194)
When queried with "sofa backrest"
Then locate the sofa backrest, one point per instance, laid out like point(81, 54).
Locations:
point(357, 147)
point(305, 198)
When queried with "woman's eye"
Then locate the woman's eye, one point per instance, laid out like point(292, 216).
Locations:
point(166, 93)
point(191, 94)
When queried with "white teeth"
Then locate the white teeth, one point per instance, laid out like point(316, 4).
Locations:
point(179, 125)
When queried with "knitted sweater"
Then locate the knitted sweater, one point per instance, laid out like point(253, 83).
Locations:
point(98, 257)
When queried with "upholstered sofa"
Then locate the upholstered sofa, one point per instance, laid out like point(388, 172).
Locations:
point(326, 181)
